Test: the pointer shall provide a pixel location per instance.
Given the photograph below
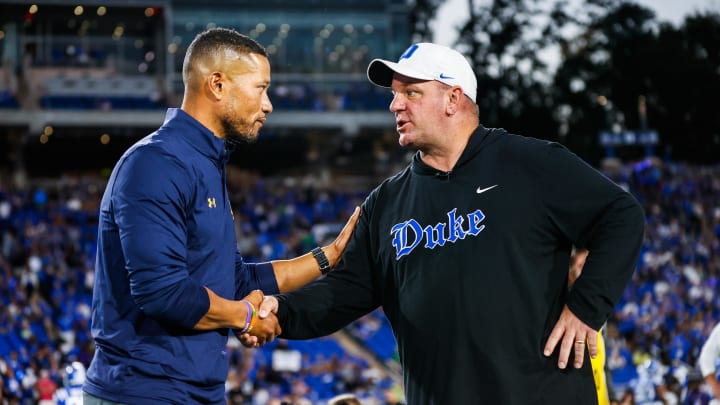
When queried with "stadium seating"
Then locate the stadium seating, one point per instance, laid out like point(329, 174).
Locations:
point(47, 235)
point(104, 93)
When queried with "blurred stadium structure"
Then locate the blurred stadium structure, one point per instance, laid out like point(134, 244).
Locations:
point(80, 83)
point(89, 79)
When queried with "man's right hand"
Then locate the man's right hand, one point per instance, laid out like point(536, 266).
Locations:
point(255, 298)
point(266, 326)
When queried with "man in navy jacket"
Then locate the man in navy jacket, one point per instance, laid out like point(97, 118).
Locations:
point(170, 282)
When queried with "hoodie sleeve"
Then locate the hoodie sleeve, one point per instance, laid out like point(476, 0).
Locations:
point(593, 212)
point(149, 200)
point(344, 295)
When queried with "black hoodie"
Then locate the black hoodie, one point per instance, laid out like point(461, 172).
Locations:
point(471, 267)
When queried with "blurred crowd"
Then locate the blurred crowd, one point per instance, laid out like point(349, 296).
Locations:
point(672, 303)
point(47, 252)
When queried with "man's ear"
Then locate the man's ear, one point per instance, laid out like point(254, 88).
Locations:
point(214, 85)
point(455, 94)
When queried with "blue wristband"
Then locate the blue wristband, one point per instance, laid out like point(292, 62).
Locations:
point(250, 311)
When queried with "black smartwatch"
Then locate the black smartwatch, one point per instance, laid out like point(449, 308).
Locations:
point(322, 260)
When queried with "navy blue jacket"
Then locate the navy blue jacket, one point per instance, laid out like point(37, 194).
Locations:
point(166, 231)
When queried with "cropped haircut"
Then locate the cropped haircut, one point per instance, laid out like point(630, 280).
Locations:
point(213, 42)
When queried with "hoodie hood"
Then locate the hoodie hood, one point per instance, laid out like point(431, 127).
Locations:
point(480, 138)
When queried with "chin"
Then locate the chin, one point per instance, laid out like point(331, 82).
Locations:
point(243, 138)
point(251, 138)
point(405, 140)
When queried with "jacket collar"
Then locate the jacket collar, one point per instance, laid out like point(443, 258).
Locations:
point(196, 134)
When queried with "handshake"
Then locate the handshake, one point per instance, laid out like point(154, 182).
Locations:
point(260, 322)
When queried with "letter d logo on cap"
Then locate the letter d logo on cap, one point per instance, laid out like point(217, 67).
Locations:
point(409, 52)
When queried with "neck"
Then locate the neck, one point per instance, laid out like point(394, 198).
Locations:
point(202, 115)
point(441, 161)
point(444, 157)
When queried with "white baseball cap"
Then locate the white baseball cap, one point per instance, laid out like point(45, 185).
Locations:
point(427, 61)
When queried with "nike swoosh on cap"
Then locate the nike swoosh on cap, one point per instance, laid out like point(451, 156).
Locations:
point(442, 76)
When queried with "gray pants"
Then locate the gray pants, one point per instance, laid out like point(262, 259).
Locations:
point(93, 400)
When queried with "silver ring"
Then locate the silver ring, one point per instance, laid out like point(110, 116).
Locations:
point(580, 342)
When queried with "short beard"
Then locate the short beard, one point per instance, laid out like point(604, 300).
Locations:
point(235, 137)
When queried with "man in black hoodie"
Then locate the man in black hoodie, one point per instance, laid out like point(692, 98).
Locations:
point(467, 251)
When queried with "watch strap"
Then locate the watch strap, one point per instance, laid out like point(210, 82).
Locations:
point(322, 260)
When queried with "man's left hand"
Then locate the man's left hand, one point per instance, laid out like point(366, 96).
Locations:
point(573, 335)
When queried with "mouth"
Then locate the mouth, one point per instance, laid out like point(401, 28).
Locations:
point(401, 123)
